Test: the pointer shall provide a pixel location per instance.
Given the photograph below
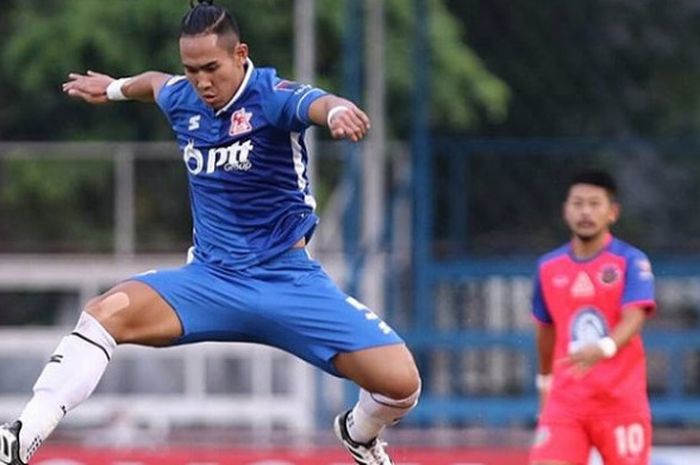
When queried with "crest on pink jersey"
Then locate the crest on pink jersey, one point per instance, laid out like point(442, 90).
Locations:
point(240, 122)
point(609, 274)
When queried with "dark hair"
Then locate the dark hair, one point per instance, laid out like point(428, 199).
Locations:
point(206, 18)
point(597, 178)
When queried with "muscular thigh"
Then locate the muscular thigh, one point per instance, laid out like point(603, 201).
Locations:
point(560, 441)
point(133, 312)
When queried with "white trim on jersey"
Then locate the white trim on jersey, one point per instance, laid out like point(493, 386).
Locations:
point(298, 159)
point(241, 88)
point(175, 79)
point(308, 92)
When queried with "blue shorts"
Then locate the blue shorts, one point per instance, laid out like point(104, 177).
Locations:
point(288, 302)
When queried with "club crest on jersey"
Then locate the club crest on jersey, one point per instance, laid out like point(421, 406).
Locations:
point(609, 274)
point(240, 122)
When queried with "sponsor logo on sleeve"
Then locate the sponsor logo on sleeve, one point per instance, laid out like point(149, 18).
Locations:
point(286, 85)
point(644, 268)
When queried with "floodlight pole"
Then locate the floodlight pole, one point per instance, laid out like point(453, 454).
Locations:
point(374, 160)
point(305, 68)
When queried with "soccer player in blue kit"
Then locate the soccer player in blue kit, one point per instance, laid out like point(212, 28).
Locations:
point(249, 277)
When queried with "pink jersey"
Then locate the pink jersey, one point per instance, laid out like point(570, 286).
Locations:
point(584, 299)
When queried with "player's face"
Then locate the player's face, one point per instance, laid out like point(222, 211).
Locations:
point(215, 66)
point(589, 211)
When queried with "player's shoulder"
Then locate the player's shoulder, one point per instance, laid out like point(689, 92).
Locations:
point(625, 250)
point(176, 90)
point(273, 85)
point(555, 254)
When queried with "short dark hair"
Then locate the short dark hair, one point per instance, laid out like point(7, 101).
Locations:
point(597, 178)
point(206, 18)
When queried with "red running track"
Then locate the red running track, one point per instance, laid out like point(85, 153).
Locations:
point(51, 455)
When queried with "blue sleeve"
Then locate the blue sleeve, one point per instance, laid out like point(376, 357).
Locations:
point(288, 103)
point(539, 306)
point(639, 281)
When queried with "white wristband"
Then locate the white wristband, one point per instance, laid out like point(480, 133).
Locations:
point(333, 111)
point(608, 346)
point(543, 382)
point(114, 89)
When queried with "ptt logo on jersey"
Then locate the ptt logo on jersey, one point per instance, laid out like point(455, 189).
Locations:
point(235, 157)
point(609, 274)
point(588, 325)
point(240, 122)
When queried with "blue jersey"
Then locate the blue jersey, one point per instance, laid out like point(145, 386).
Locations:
point(247, 166)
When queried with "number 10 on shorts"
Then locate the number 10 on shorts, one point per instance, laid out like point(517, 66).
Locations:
point(629, 439)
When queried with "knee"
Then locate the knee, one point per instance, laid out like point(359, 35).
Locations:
point(402, 382)
point(110, 312)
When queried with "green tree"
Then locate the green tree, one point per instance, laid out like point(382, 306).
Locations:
point(45, 40)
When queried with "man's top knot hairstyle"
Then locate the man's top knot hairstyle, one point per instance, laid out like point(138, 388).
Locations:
point(206, 18)
point(597, 178)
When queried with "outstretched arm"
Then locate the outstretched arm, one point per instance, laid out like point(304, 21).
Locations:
point(92, 87)
point(342, 117)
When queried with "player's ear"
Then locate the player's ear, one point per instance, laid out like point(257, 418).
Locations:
point(615, 209)
point(241, 52)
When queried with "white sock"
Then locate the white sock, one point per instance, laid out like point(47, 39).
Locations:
point(373, 412)
point(70, 376)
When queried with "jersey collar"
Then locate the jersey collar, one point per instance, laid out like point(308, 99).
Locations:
point(606, 245)
point(241, 88)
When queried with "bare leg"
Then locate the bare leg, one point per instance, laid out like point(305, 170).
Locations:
point(131, 312)
point(390, 388)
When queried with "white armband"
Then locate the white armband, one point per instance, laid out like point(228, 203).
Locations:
point(608, 346)
point(333, 111)
point(543, 382)
point(114, 89)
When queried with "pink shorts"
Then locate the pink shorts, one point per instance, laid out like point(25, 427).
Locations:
point(620, 440)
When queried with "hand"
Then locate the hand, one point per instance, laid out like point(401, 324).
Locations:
point(351, 124)
point(91, 87)
point(580, 362)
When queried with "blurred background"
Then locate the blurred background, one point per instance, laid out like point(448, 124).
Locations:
point(482, 109)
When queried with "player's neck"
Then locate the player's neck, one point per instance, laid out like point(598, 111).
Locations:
point(586, 248)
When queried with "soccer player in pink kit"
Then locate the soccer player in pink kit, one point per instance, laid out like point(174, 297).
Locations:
point(590, 301)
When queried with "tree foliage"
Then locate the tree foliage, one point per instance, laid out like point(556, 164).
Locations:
point(594, 68)
point(45, 40)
